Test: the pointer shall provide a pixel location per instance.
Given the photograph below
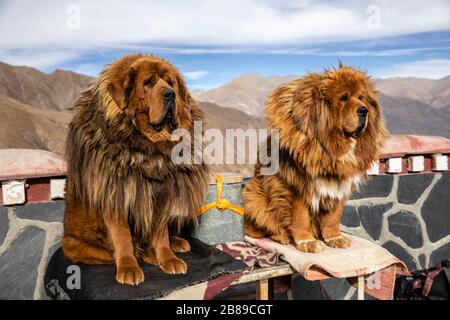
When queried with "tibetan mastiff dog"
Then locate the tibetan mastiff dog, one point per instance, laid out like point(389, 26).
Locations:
point(330, 129)
point(125, 198)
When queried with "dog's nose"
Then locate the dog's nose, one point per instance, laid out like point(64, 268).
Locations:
point(362, 111)
point(169, 95)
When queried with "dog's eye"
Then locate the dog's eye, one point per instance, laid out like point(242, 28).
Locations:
point(149, 82)
point(170, 82)
point(344, 97)
point(361, 97)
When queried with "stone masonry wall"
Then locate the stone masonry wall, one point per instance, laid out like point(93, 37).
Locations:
point(29, 235)
point(407, 214)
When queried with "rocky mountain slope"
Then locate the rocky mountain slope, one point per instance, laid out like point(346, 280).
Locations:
point(24, 126)
point(54, 91)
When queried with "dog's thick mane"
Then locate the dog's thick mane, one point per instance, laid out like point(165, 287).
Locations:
point(114, 170)
point(309, 138)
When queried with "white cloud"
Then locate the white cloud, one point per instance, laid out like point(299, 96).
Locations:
point(431, 68)
point(39, 59)
point(383, 53)
point(356, 53)
point(39, 33)
point(30, 24)
point(195, 75)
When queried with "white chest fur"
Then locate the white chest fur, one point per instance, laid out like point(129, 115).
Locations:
point(326, 188)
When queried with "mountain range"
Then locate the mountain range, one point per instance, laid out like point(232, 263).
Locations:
point(35, 106)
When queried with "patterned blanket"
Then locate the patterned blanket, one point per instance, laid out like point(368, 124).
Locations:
point(251, 255)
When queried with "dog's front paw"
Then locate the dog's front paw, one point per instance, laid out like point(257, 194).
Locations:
point(341, 242)
point(178, 244)
point(310, 246)
point(173, 266)
point(130, 273)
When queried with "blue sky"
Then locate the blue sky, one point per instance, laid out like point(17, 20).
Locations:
point(212, 42)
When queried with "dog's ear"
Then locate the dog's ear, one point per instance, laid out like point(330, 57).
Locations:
point(183, 92)
point(320, 117)
point(185, 102)
point(377, 120)
point(372, 97)
point(121, 93)
point(312, 110)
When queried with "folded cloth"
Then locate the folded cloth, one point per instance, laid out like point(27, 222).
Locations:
point(99, 281)
point(252, 256)
point(363, 258)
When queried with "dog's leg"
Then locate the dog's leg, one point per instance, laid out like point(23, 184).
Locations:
point(330, 229)
point(81, 241)
point(167, 260)
point(78, 250)
point(177, 244)
point(128, 270)
point(302, 229)
point(251, 230)
point(148, 256)
point(267, 209)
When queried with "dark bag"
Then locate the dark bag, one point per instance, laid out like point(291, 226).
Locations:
point(428, 284)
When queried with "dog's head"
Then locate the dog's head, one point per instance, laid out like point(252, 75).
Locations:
point(152, 92)
point(336, 111)
point(349, 99)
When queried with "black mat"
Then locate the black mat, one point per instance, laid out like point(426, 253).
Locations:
point(98, 281)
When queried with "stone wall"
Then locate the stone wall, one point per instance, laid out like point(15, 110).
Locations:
point(407, 214)
point(29, 235)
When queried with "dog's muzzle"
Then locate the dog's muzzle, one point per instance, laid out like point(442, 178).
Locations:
point(169, 111)
point(362, 119)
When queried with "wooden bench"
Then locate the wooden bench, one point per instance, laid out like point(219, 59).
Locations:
point(264, 278)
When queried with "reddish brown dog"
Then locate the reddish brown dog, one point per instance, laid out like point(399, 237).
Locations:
point(331, 129)
point(125, 198)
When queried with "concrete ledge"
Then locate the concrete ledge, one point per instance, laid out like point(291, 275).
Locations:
point(403, 145)
point(28, 163)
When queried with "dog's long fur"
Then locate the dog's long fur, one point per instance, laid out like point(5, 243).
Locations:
point(324, 154)
point(119, 169)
